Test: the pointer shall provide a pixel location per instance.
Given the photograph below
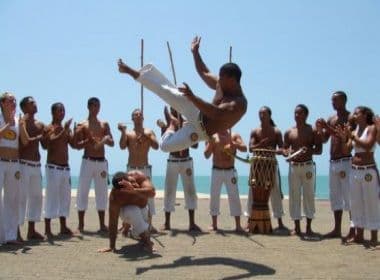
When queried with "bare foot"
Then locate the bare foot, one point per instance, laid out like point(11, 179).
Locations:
point(332, 234)
point(105, 250)
point(239, 229)
point(165, 227)
point(148, 246)
point(352, 240)
point(212, 228)
point(153, 230)
point(49, 235)
point(195, 228)
point(66, 231)
point(103, 229)
point(295, 232)
point(35, 236)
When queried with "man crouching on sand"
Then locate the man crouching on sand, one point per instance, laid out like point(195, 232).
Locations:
point(129, 198)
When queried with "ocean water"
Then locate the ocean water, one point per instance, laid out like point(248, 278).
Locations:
point(202, 184)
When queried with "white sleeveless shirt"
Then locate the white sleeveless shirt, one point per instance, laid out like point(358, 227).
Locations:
point(359, 149)
point(11, 134)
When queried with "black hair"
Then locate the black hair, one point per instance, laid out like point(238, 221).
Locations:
point(231, 70)
point(135, 110)
point(24, 101)
point(368, 112)
point(341, 94)
point(117, 177)
point(304, 108)
point(266, 108)
point(55, 106)
point(93, 100)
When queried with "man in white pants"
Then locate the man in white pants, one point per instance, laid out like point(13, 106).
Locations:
point(340, 163)
point(138, 142)
point(30, 166)
point(9, 170)
point(203, 118)
point(179, 163)
point(302, 168)
point(128, 199)
point(268, 136)
point(92, 135)
point(223, 146)
point(58, 188)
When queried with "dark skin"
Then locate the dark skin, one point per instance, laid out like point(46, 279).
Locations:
point(92, 135)
point(29, 150)
point(229, 103)
point(328, 129)
point(177, 121)
point(57, 139)
point(302, 136)
point(135, 188)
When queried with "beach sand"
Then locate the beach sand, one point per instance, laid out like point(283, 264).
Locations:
point(184, 255)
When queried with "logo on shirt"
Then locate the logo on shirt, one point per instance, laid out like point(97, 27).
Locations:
point(103, 174)
point(342, 174)
point(233, 180)
point(309, 175)
point(9, 135)
point(189, 172)
point(194, 137)
point(17, 175)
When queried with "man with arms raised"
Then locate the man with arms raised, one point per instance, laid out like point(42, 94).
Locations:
point(129, 198)
point(203, 118)
point(93, 134)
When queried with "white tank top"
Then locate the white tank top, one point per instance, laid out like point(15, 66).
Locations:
point(10, 136)
point(359, 149)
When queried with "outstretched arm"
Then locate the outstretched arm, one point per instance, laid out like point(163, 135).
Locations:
point(210, 79)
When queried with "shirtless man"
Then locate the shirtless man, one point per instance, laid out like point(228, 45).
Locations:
point(268, 136)
point(129, 198)
point(203, 118)
point(58, 188)
point(30, 167)
point(179, 163)
point(95, 134)
point(9, 170)
point(302, 168)
point(223, 146)
point(340, 162)
point(139, 141)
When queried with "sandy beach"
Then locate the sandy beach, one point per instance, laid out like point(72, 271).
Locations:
point(183, 255)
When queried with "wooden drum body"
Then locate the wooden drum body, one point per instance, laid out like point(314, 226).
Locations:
point(261, 180)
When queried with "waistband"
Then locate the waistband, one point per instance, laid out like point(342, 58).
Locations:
point(201, 124)
point(97, 159)
point(30, 163)
point(363, 167)
point(139, 167)
point(9, 160)
point(58, 167)
point(303, 163)
point(223, 168)
point(340, 159)
point(179, 159)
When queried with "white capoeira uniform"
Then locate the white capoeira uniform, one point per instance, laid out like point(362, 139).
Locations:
point(365, 192)
point(93, 169)
point(9, 185)
point(229, 177)
point(135, 216)
point(30, 191)
point(58, 191)
point(339, 179)
point(301, 179)
point(275, 199)
point(147, 171)
point(193, 130)
point(184, 168)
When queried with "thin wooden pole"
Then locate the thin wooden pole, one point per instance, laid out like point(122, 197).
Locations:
point(142, 88)
point(230, 53)
point(171, 63)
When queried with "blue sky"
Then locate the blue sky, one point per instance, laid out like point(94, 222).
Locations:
point(290, 52)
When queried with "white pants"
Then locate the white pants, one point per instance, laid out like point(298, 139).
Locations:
point(136, 217)
point(58, 192)
point(182, 139)
point(365, 203)
point(147, 171)
point(275, 199)
point(301, 180)
point(339, 177)
point(9, 204)
point(30, 191)
point(184, 168)
point(97, 171)
point(229, 177)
